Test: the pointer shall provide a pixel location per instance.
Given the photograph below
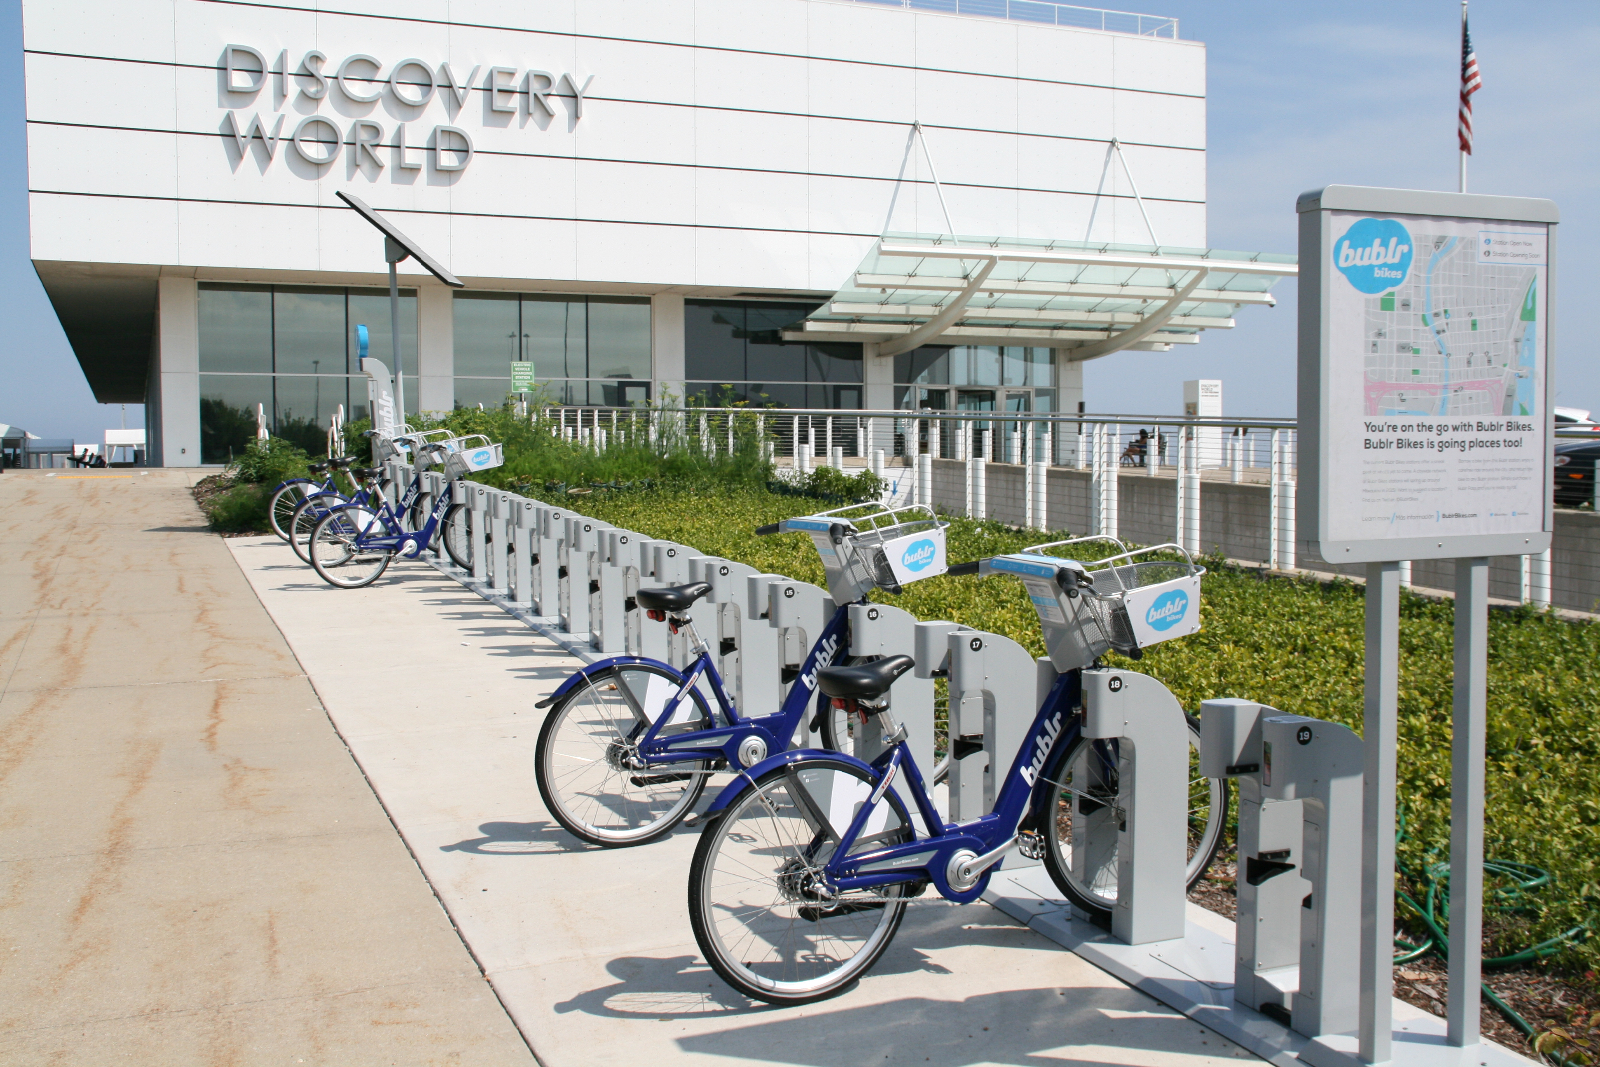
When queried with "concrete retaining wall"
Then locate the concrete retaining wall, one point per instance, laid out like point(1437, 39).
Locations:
point(1234, 520)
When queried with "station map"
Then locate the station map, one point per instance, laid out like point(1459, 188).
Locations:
point(1457, 338)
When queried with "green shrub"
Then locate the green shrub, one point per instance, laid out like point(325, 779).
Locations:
point(268, 465)
point(240, 509)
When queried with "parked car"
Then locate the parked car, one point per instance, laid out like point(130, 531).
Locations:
point(1571, 420)
point(1575, 463)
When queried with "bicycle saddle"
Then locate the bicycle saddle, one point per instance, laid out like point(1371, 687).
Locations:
point(865, 681)
point(316, 468)
point(340, 462)
point(366, 472)
point(672, 598)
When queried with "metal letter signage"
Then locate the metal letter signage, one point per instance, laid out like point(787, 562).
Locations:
point(407, 89)
point(1425, 387)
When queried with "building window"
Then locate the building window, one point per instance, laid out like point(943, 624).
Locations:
point(734, 352)
point(978, 378)
point(291, 352)
point(584, 350)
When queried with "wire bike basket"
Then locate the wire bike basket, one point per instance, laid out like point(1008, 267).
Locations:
point(1124, 603)
point(471, 454)
point(867, 546)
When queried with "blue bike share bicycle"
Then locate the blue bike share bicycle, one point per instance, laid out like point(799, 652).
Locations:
point(287, 496)
point(352, 544)
point(629, 742)
point(413, 505)
point(809, 858)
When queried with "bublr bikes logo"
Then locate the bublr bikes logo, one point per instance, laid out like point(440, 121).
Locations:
point(918, 555)
point(1168, 610)
point(1375, 254)
point(480, 457)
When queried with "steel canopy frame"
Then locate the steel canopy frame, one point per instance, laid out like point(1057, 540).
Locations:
point(396, 247)
point(1089, 299)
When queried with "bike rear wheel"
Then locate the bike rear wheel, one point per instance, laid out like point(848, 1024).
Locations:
point(338, 550)
point(1083, 862)
point(457, 534)
point(284, 501)
point(584, 761)
point(753, 900)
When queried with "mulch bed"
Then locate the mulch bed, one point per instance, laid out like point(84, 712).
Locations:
point(1547, 1000)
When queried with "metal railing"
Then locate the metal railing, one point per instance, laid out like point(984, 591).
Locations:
point(1112, 449)
point(1044, 13)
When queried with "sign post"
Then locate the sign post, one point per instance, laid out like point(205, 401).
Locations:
point(1425, 426)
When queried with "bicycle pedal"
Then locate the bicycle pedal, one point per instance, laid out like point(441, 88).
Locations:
point(1031, 845)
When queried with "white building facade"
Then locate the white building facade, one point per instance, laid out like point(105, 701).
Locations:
point(640, 195)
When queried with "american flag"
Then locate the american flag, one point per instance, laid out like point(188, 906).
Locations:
point(1470, 83)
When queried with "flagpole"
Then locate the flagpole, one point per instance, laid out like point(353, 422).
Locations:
point(1462, 183)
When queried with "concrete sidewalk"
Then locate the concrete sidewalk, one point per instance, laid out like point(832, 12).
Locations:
point(590, 949)
point(192, 868)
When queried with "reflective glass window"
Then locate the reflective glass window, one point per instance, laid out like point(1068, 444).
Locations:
point(713, 338)
point(235, 329)
point(228, 413)
point(490, 392)
point(619, 340)
point(1042, 366)
point(554, 331)
point(1013, 365)
point(308, 331)
point(485, 329)
point(833, 363)
point(303, 404)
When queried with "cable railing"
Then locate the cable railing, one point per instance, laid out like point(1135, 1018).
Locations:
point(1004, 465)
point(1044, 13)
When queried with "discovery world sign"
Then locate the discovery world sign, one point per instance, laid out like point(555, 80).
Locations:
point(405, 90)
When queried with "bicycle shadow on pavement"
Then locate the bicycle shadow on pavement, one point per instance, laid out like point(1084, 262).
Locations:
point(1043, 1027)
point(541, 837)
point(684, 987)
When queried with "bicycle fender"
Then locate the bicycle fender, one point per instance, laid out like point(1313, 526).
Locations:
point(736, 788)
point(583, 673)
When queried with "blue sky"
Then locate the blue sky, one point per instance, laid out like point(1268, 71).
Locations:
point(1300, 95)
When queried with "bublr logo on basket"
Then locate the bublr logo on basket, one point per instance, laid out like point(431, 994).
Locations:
point(480, 457)
point(1375, 254)
point(1168, 610)
point(918, 555)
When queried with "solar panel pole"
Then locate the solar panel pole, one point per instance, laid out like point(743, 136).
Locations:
point(397, 246)
point(394, 252)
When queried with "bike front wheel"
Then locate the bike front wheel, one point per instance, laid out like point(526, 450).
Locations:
point(1080, 833)
point(757, 902)
point(339, 550)
point(284, 501)
point(307, 514)
point(418, 516)
point(586, 761)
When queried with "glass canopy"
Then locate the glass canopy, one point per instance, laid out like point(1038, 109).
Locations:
point(915, 289)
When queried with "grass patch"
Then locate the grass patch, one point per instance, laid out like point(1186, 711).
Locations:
point(1297, 646)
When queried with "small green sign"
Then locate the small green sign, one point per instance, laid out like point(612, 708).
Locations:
point(522, 377)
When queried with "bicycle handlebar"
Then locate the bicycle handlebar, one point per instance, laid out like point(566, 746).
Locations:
point(964, 568)
point(772, 528)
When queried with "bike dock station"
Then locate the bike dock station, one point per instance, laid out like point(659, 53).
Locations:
point(1292, 974)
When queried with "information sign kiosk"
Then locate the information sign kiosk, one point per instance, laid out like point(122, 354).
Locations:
point(1425, 425)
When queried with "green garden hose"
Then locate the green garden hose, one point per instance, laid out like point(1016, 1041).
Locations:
point(1517, 884)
